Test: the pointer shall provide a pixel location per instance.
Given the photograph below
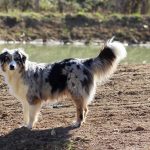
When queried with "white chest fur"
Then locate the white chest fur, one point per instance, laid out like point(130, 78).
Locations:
point(16, 86)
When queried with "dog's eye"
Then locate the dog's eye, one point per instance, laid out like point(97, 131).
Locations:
point(17, 59)
point(7, 58)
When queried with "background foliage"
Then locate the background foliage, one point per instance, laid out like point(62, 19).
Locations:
point(64, 6)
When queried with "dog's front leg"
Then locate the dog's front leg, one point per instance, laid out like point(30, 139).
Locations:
point(25, 106)
point(34, 110)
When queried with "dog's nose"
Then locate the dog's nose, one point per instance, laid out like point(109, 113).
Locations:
point(11, 67)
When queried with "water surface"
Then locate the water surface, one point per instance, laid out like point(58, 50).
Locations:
point(44, 53)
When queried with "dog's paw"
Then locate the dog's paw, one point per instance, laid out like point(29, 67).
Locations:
point(23, 125)
point(76, 124)
point(29, 126)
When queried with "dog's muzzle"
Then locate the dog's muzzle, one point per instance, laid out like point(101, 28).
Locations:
point(12, 67)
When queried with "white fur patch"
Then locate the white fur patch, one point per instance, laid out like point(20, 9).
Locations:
point(117, 48)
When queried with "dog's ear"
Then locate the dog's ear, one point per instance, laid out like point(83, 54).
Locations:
point(3, 55)
point(23, 55)
point(5, 50)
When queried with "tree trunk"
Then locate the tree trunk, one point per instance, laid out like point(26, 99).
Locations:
point(145, 6)
point(36, 5)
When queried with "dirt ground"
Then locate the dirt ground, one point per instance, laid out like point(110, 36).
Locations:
point(118, 119)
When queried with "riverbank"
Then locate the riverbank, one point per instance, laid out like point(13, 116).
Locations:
point(67, 28)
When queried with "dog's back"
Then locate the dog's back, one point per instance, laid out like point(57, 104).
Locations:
point(78, 76)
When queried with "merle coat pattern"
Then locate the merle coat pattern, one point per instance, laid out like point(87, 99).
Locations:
point(33, 83)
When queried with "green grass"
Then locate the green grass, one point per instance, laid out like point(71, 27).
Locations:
point(45, 5)
point(18, 14)
point(47, 14)
point(69, 145)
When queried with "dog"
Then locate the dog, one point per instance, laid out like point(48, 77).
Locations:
point(33, 83)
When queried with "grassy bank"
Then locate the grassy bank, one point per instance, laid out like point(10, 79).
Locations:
point(29, 25)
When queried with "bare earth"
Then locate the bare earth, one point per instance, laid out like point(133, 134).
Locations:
point(119, 118)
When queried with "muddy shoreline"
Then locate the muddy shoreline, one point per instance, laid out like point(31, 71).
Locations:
point(66, 29)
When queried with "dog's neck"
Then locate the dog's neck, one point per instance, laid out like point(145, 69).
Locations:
point(16, 87)
point(12, 78)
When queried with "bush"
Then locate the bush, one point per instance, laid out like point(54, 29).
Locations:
point(61, 6)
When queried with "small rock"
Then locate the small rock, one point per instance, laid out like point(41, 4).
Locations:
point(145, 26)
point(3, 116)
point(119, 93)
point(110, 147)
point(116, 130)
point(110, 115)
point(139, 128)
point(77, 139)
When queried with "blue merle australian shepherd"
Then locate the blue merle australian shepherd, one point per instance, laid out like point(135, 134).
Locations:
point(33, 83)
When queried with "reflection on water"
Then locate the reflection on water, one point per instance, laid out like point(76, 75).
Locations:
point(43, 53)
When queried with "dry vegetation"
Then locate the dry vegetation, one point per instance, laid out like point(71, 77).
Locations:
point(69, 20)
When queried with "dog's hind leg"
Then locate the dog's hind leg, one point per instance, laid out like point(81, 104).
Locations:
point(81, 110)
point(34, 110)
point(85, 111)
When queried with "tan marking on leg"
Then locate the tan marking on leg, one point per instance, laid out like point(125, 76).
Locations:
point(79, 112)
point(35, 101)
point(85, 109)
point(33, 113)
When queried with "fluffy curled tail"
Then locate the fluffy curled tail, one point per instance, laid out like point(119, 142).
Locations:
point(117, 49)
point(106, 62)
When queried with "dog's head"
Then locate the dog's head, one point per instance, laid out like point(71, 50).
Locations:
point(12, 60)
